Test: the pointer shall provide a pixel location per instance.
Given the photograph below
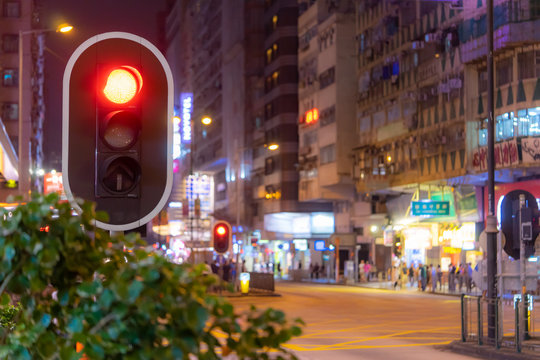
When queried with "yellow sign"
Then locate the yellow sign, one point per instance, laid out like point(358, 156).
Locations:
point(451, 250)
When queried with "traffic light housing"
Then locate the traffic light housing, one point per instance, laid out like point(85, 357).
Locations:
point(221, 236)
point(117, 128)
point(397, 246)
point(514, 230)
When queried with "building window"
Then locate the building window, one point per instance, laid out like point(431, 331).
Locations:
point(269, 166)
point(10, 43)
point(328, 115)
point(271, 53)
point(327, 77)
point(10, 77)
point(504, 126)
point(268, 111)
point(12, 9)
point(528, 122)
point(10, 111)
point(328, 154)
point(310, 138)
point(482, 133)
point(504, 71)
point(526, 68)
point(482, 81)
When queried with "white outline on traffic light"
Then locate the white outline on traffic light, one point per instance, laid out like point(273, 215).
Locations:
point(65, 125)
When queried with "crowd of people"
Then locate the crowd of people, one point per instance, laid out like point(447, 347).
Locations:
point(432, 278)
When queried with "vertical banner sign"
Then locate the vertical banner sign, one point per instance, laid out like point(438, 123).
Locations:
point(186, 104)
point(117, 128)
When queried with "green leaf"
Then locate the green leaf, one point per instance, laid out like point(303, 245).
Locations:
point(75, 325)
point(88, 289)
point(9, 252)
point(134, 290)
point(5, 299)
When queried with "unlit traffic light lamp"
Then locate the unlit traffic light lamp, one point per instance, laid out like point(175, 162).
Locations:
point(117, 133)
point(221, 237)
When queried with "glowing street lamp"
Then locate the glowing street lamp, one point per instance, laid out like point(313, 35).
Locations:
point(273, 147)
point(207, 120)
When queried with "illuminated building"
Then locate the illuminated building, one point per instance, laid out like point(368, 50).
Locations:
point(421, 121)
point(16, 16)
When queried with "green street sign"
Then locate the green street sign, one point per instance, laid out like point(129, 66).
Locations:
point(433, 208)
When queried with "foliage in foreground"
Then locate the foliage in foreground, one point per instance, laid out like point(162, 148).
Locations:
point(75, 283)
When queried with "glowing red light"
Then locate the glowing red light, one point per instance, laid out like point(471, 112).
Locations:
point(123, 84)
point(220, 230)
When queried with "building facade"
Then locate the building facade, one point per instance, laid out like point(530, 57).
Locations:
point(421, 119)
point(21, 132)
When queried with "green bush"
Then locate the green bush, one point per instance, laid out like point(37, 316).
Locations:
point(76, 284)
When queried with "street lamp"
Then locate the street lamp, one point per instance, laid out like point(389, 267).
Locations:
point(25, 121)
point(238, 169)
point(205, 121)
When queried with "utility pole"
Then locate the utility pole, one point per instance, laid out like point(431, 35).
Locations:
point(491, 220)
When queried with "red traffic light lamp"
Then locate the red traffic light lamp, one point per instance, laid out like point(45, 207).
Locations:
point(221, 236)
point(117, 133)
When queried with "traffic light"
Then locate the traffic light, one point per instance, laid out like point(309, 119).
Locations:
point(221, 236)
point(117, 128)
point(398, 246)
point(527, 230)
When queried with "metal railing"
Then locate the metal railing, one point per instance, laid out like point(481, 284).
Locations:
point(508, 329)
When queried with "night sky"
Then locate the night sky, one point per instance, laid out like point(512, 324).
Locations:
point(90, 17)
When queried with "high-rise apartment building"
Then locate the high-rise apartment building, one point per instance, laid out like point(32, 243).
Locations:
point(21, 133)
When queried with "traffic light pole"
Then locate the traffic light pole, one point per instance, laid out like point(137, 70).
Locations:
point(491, 220)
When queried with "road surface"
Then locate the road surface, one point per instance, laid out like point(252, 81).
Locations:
point(358, 323)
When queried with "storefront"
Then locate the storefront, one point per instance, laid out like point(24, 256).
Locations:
point(439, 227)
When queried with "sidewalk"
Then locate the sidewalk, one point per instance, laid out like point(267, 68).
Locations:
point(490, 352)
point(389, 285)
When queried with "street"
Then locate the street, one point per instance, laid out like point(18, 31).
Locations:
point(359, 323)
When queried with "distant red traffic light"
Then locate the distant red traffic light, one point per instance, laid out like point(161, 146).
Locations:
point(221, 236)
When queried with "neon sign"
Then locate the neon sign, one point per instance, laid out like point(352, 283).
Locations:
point(186, 104)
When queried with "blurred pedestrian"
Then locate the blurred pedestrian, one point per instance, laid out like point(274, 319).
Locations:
point(452, 278)
point(316, 270)
point(460, 275)
point(469, 277)
point(422, 276)
point(367, 269)
point(361, 271)
point(439, 276)
point(433, 278)
point(411, 275)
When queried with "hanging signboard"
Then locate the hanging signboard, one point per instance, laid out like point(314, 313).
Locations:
point(430, 208)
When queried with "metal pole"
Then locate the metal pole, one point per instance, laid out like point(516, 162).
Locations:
point(191, 157)
point(480, 321)
point(237, 190)
point(491, 220)
point(463, 331)
point(523, 276)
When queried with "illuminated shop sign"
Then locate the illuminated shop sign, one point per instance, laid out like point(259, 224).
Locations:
point(186, 106)
point(310, 117)
point(430, 208)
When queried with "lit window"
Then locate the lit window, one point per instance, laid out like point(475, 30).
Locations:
point(268, 56)
point(275, 76)
point(10, 78)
